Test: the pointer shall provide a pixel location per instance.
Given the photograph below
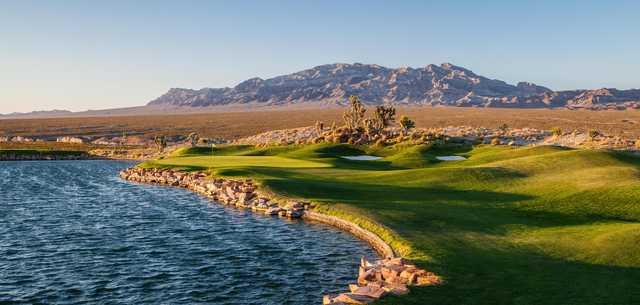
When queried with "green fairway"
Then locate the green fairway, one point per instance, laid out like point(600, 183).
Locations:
point(535, 225)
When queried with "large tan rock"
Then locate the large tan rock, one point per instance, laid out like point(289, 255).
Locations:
point(371, 275)
point(372, 290)
point(390, 273)
point(243, 197)
point(328, 300)
point(273, 211)
point(364, 263)
point(295, 213)
point(350, 298)
point(428, 279)
point(409, 275)
point(230, 192)
point(396, 289)
point(294, 205)
point(353, 287)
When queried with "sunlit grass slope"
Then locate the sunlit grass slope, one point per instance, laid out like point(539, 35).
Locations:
point(540, 225)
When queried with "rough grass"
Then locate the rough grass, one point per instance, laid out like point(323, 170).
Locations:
point(541, 225)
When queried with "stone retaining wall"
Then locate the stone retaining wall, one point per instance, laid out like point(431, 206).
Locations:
point(390, 275)
point(374, 240)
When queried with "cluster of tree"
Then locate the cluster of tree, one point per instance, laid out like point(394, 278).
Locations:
point(592, 133)
point(383, 116)
point(193, 139)
point(160, 142)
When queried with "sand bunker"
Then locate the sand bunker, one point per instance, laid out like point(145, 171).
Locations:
point(451, 158)
point(362, 158)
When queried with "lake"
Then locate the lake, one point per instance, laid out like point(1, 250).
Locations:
point(73, 232)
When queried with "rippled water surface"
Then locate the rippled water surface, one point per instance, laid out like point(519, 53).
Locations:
point(74, 233)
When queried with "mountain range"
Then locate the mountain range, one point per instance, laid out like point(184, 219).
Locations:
point(444, 84)
point(326, 85)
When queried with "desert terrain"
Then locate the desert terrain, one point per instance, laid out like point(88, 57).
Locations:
point(234, 125)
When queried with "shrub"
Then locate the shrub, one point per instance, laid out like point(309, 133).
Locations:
point(406, 124)
point(638, 144)
point(556, 131)
point(593, 133)
point(495, 141)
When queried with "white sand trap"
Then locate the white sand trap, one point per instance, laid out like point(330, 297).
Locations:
point(362, 158)
point(451, 158)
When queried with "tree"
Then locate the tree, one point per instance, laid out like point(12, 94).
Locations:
point(193, 138)
point(372, 127)
point(319, 127)
point(161, 143)
point(385, 115)
point(382, 118)
point(593, 133)
point(406, 124)
point(354, 115)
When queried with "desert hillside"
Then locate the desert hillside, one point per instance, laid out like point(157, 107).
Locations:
point(444, 84)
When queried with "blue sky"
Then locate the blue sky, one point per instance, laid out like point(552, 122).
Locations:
point(80, 55)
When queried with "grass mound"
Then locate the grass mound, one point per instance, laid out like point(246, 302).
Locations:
point(538, 225)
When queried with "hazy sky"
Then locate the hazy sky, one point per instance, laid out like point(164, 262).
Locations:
point(80, 55)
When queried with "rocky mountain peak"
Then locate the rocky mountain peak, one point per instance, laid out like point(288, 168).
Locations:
point(444, 84)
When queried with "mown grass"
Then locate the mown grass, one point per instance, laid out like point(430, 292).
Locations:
point(538, 225)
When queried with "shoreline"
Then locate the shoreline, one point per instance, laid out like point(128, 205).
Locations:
point(383, 249)
point(45, 157)
point(390, 275)
point(62, 158)
point(58, 156)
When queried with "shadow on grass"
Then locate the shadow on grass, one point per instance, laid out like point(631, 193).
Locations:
point(378, 165)
point(628, 157)
point(433, 209)
point(523, 277)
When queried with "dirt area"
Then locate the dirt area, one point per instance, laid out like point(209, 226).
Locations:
point(234, 125)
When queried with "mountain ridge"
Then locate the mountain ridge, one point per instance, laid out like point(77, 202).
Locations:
point(434, 85)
